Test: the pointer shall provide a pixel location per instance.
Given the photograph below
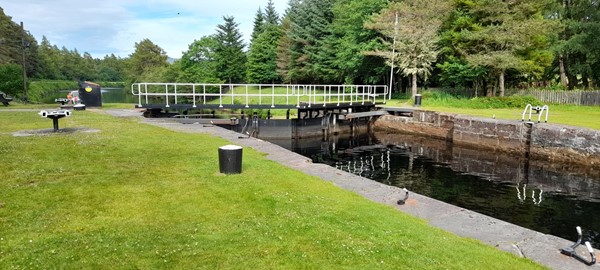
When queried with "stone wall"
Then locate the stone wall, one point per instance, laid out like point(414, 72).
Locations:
point(538, 140)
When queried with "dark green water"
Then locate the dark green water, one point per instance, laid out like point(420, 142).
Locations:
point(549, 198)
point(109, 95)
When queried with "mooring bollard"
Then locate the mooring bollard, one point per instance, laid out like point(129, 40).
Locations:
point(55, 115)
point(230, 159)
point(418, 98)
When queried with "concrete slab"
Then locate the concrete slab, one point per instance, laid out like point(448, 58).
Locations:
point(542, 248)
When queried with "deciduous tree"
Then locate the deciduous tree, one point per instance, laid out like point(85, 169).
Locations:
point(411, 28)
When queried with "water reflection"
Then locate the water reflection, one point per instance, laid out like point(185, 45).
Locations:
point(549, 198)
point(109, 95)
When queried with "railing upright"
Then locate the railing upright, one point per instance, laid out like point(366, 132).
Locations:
point(273, 96)
point(167, 95)
point(544, 109)
point(194, 95)
point(175, 89)
point(220, 96)
point(247, 105)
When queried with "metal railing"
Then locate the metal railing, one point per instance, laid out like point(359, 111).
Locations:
point(198, 94)
point(538, 109)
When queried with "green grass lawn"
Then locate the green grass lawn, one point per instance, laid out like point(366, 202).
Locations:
point(138, 196)
point(581, 116)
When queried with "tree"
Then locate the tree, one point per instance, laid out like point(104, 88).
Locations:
point(414, 35)
point(198, 63)
point(111, 69)
point(577, 48)
point(262, 57)
point(352, 65)
point(508, 36)
point(50, 60)
point(259, 25)
point(284, 47)
point(147, 58)
point(308, 34)
point(14, 42)
point(11, 78)
point(229, 55)
point(271, 16)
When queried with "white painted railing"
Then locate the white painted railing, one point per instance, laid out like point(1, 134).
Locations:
point(538, 109)
point(198, 94)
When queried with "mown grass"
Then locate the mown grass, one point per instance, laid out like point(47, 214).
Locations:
point(138, 196)
point(510, 108)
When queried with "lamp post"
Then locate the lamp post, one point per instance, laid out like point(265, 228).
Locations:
point(393, 55)
point(23, 46)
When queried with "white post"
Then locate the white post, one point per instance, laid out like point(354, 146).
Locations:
point(393, 55)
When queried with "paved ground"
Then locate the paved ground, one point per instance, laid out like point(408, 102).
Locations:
point(520, 241)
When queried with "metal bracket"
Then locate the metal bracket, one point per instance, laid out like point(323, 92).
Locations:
point(570, 251)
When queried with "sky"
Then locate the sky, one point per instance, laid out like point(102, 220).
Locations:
point(114, 26)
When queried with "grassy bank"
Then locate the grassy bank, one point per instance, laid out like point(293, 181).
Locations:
point(137, 196)
point(572, 115)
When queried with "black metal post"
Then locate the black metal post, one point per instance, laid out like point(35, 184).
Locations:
point(55, 123)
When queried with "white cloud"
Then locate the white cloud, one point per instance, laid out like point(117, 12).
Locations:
point(114, 26)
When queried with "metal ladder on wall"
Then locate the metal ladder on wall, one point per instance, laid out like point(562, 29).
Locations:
point(539, 110)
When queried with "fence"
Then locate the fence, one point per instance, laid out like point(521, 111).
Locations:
point(586, 98)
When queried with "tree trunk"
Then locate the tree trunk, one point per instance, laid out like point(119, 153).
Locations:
point(414, 85)
point(563, 73)
point(501, 83)
point(572, 81)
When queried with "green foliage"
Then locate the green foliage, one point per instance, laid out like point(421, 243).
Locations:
point(198, 63)
point(459, 74)
point(38, 91)
point(441, 98)
point(509, 36)
point(262, 57)
point(15, 42)
point(146, 61)
point(11, 79)
point(352, 40)
point(308, 54)
point(229, 55)
point(411, 28)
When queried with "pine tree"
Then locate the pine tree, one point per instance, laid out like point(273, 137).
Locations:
point(230, 57)
point(271, 16)
point(351, 39)
point(262, 57)
point(259, 25)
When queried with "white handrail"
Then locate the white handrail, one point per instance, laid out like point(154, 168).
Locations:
point(528, 106)
point(540, 111)
point(311, 94)
point(544, 109)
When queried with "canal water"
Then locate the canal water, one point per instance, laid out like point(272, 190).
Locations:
point(549, 198)
point(109, 95)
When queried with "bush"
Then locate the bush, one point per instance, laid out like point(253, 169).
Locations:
point(440, 98)
point(503, 102)
point(11, 79)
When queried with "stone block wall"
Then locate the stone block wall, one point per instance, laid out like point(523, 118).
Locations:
point(542, 140)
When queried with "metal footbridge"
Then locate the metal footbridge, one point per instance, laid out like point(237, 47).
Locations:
point(189, 96)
